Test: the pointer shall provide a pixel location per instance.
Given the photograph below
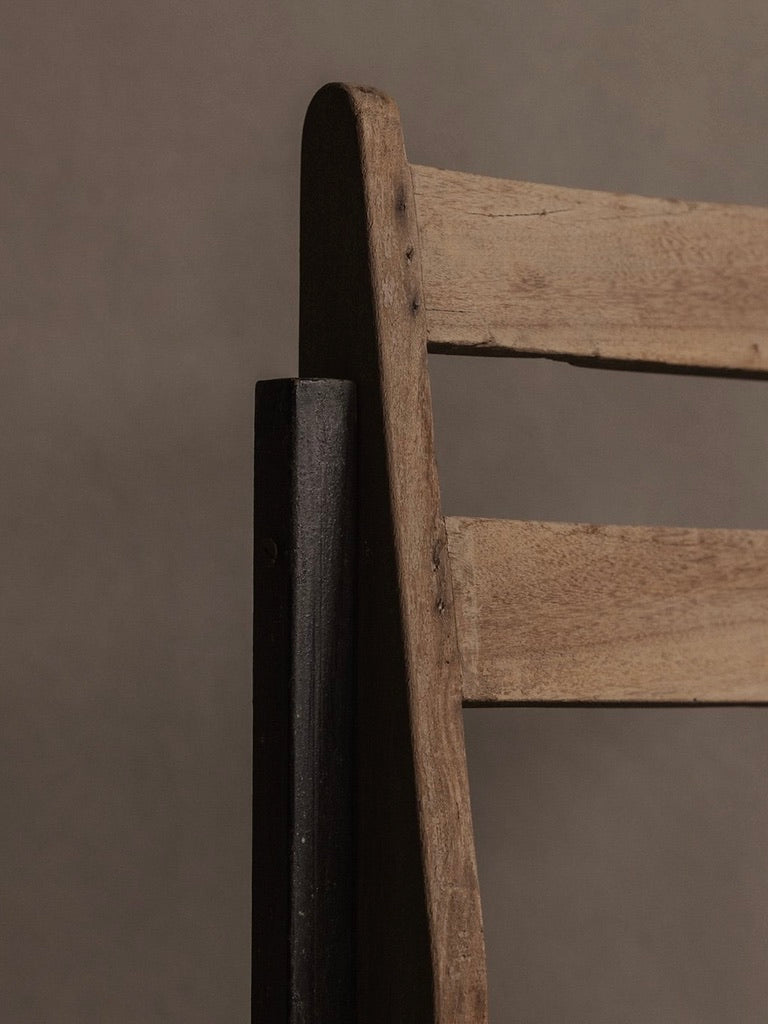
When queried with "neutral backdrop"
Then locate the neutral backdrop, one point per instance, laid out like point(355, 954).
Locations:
point(149, 201)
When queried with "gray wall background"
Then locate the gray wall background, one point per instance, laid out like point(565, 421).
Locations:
point(149, 177)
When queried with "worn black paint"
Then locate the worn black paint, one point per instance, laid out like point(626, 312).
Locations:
point(304, 542)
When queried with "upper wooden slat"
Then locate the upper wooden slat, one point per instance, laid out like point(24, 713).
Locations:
point(550, 612)
point(512, 268)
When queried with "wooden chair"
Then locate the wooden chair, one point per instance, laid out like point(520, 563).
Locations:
point(398, 260)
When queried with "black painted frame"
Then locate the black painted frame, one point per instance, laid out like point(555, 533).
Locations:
point(303, 702)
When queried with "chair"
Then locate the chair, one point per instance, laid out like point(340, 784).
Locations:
point(398, 260)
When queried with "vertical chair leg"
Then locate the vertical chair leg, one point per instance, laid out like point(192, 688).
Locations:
point(303, 708)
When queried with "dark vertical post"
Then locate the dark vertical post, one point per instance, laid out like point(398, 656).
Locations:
point(303, 703)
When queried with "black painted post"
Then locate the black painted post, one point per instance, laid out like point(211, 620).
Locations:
point(303, 703)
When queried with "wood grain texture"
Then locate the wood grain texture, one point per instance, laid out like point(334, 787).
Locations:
point(552, 612)
point(421, 955)
point(512, 268)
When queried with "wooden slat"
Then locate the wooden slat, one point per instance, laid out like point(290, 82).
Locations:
point(557, 612)
point(512, 268)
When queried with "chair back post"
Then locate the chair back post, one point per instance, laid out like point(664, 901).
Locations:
point(362, 317)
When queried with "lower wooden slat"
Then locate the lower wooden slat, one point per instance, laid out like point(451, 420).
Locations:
point(554, 612)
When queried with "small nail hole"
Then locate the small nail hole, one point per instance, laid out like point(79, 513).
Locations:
point(269, 550)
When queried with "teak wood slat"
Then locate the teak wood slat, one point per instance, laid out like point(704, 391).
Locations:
point(512, 268)
point(553, 612)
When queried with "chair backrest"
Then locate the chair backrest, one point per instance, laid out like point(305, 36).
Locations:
point(397, 260)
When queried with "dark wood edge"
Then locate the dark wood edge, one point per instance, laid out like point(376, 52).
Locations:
point(444, 348)
point(303, 708)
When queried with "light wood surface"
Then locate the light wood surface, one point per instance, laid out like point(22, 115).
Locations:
point(570, 613)
point(516, 268)
point(421, 954)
